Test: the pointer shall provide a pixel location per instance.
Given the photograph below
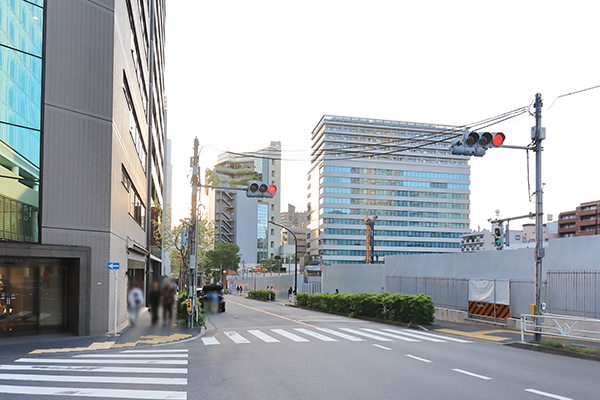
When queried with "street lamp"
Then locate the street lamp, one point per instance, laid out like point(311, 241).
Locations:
point(295, 256)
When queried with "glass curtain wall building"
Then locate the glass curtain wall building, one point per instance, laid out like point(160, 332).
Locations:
point(21, 48)
point(400, 172)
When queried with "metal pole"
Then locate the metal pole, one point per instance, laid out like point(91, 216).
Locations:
point(116, 297)
point(539, 241)
point(295, 255)
point(194, 233)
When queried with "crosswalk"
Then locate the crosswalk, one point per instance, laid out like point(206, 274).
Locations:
point(305, 335)
point(146, 374)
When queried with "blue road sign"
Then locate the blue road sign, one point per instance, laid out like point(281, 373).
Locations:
point(112, 265)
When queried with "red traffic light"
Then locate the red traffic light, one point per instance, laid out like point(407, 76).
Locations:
point(272, 189)
point(498, 139)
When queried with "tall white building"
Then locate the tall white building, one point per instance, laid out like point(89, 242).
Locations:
point(242, 220)
point(401, 172)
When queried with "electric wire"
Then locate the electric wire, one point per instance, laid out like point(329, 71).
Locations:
point(569, 94)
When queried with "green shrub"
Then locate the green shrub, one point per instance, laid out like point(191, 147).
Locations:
point(263, 295)
point(182, 314)
point(396, 307)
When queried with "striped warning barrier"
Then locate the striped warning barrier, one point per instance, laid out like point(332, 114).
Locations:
point(489, 309)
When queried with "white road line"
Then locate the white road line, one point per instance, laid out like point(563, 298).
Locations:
point(80, 361)
point(81, 368)
point(94, 379)
point(342, 335)
point(263, 336)
point(418, 358)
point(415, 335)
point(445, 337)
point(210, 340)
point(381, 339)
point(131, 356)
point(155, 351)
point(406, 339)
point(316, 335)
point(471, 374)
point(236, 337)
point(91, 392)
point(290, 335)
point(381, 347)
point(552, 396)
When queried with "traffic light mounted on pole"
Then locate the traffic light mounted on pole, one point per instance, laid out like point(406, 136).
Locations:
point(476, 143)
point(499, 237)
point(260, 189)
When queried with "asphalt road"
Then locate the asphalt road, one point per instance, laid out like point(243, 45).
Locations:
point(261, 350)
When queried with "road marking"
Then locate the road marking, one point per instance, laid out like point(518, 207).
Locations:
point(406, 339)
point(553, 396)
point(274, 315)
point(418, 358)
point(93, 368)
point(93, 346)
point(316, 335)
point(210, 340)
point(91, 392)
point(263, 336)
point(236, 337)
point(381, 347)
point(444, 337)
point(471, 374)
point(290, 336)
point(155, 351)
point(381, 339)
point(79, 361)
point(485, 335)
point(94, 379)
point(131, 356)
point(342, 335)
point(416, 335)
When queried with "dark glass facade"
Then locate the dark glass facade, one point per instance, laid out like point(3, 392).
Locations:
point(21, 43)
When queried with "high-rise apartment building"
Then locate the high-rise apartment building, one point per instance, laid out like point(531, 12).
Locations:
point(242, 220)
point(400, 172)
point(81, 82)
point(584, 221)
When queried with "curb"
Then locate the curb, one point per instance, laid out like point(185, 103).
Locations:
point(551, 350)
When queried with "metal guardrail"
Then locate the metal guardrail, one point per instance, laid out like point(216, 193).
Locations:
point(560, 326)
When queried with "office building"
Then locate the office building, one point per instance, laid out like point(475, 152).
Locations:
point(76, 99)
point(242, 220)
point(402, 173)
point(583, 221)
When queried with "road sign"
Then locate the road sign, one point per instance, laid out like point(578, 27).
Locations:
point(112, 265)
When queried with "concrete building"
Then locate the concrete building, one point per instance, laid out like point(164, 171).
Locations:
point(242, 220)
point(401, 172)
point(584, 221)
point(293, 218)
point(76, 102)
point(550, 231)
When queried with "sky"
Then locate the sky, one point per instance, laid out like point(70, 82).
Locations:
point(240, 74)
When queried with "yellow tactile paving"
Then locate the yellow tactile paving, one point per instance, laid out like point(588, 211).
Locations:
point(485, 335)
point(153, 339)
point(93, 346)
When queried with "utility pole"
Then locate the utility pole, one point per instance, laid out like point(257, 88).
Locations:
point(193, 276)
point(370, 222)
point(538, 134)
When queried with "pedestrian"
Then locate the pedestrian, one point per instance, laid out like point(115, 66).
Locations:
point(290, 290)
point(154, 301)
point(337, 291)
point(168, 299)
point(135, 300)
point(241, 290)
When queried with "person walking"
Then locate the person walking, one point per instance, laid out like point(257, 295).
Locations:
point(154, 301)
point(290, 291)
point(168, 300)
point(135, 300)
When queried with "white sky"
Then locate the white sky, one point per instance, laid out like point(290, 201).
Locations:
point(240, 74)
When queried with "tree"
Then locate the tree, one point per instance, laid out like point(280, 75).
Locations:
point(224, 257)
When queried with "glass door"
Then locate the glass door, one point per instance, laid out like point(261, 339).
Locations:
point(18, 294)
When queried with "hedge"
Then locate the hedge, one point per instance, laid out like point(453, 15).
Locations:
point(397, 307)
point(182, 314)
point(262, 295)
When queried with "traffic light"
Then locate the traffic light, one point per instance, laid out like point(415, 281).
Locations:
point(476, 143)
point(498, 237)
point(260, 189)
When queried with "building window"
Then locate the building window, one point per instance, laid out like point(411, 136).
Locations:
point(136, 207)
point(272, 244)
point(134, 126)
point(272, 232)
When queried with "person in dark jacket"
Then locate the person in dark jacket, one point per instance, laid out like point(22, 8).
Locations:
point(154, 301)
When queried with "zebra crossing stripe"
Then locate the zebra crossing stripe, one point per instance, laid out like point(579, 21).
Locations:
point(88, 361)
point(92, 392)
point(155, 351)
point(236, 337)
point(445, 337)
point(131, 356)
point(406, 339)
point(416, 335)
point(94, 379)
point(93, 368)
point(342, 335)
point(210, 340)
point(316, 335)
point(290, 335)
point(381, 339)
point(263, 336)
